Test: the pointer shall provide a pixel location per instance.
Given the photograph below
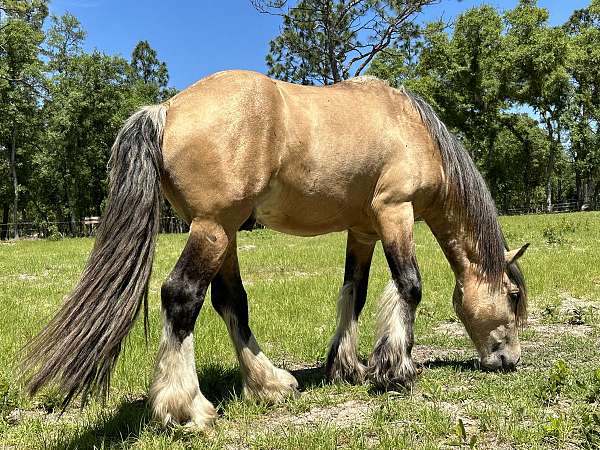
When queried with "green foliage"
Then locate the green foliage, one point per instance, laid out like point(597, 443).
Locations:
point(590, 429)
point(60, 110)
point(484, 71)
point(326, 41)
point(593, 395)
point(557, 233)
point(558, 378)
point(461, 438)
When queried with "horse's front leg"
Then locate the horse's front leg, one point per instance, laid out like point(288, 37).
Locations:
point(175, 395)
point(391, 364)
point(261, 379)
point(342, 361)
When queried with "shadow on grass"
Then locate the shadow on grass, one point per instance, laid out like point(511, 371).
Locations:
point(219, 384)
point(310, 377)
point(462, 365)
point(124, 426)
point(222, 385)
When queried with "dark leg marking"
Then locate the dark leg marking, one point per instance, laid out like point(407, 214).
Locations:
point(262, 380)
point(391, 365)
point(342, 359)
point(175, 395)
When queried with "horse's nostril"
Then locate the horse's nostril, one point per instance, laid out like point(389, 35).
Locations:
point(507, 364)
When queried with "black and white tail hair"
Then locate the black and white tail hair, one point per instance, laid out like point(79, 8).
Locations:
point(78, 349)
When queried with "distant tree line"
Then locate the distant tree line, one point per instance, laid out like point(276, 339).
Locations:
point(522, 95)
point(60, 110)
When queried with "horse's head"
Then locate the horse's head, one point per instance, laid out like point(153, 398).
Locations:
point(493, 312)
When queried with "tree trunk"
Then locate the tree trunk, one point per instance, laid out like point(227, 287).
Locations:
point(13, 170)
point(333, 63)
point(5, 217)
point(554, 143)
point(549, 172)
point(526, 178)
point(579, 189)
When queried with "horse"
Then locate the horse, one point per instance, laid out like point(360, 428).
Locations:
point(238, 147)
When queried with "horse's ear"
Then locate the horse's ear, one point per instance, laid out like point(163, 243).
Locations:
point(512, 255)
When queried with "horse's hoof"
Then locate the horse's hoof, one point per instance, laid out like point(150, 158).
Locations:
point(197, 413)
point(276, 388)
point(386, 376)
point(354, 374)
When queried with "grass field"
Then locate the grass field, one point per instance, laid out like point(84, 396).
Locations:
point(551, 401)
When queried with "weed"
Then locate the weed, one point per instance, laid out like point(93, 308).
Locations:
point(461, 438)
point(593, 394)
point(557, 428)
point(590, 429)
point(557, 379)
point(557, 233)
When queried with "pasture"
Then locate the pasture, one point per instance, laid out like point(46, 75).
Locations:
point(551, 401)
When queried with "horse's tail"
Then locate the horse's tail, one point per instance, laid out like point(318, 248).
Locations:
point(78, 349)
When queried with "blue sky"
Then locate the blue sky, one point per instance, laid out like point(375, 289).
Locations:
point(197, 38)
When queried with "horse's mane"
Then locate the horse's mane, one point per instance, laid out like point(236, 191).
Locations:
point(470, 200)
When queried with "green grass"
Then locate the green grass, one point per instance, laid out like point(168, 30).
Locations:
point(551, 401)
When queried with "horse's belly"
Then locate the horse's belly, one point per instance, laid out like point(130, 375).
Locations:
point(306, 214)
point(300, 221)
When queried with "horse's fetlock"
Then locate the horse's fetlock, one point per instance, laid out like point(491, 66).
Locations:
point(391, 368)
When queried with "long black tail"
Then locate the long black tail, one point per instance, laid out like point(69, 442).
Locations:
point(78, 349)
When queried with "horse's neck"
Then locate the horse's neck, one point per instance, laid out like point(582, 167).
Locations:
point(460, 252)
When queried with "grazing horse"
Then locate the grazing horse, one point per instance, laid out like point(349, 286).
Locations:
point(238, 147)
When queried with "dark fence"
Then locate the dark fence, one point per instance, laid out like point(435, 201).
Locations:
point(543, 209)
point(81, 228)
point(88, 226)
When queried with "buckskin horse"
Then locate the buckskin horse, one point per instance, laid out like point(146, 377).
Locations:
point(237, 146)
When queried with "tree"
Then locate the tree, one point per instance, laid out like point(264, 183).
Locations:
point(583, 29)
point(84, 111)
point(537, 55)
point(463, 77)
point(21, 81)
point(149, 76)
point(467, 77)
point(326, 41)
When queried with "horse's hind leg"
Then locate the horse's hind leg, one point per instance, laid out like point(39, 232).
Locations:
point(261, 379)
point(390, 364)
point(342, 360)
point(175, 395)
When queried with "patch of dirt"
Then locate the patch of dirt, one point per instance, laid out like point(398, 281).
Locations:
point(19, 415)
point(422, 353)
point(247, 247)
point(454, 329)
point(566, 318)
point(24, 276)
point(553, 330)
point(343, 415)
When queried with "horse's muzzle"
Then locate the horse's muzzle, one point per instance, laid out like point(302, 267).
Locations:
point(501, 360)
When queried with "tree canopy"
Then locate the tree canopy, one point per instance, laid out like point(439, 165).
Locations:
point(60, 110)
point(520, 93)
